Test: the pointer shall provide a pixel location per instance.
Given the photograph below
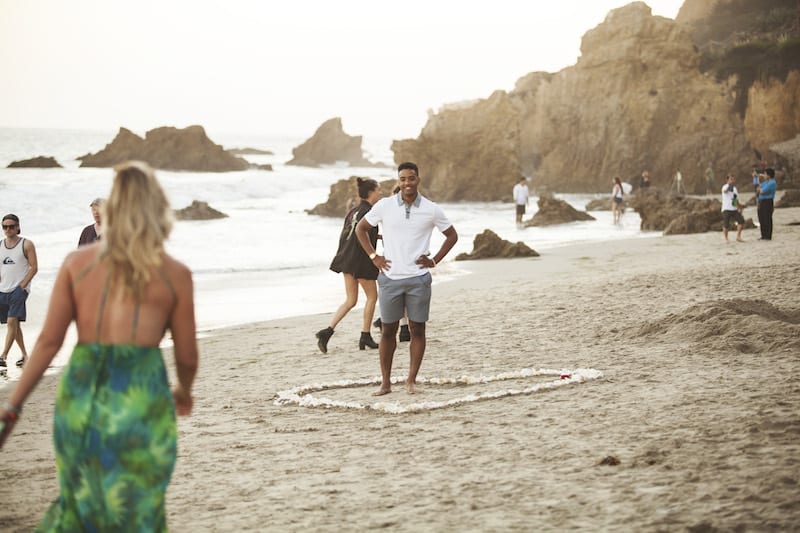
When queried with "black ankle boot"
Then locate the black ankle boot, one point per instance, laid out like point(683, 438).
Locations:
point(405, 335)
point(324, 335)
point(366, 341)
point(378, 324)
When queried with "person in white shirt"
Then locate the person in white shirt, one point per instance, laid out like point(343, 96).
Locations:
point(18, 266)
point(407, 221)
point(730, 209)
point(521, 197)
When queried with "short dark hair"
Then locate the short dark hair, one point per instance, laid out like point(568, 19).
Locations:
point(366, 186)
point(770, 172)
point(15, 218)
point(408, 165)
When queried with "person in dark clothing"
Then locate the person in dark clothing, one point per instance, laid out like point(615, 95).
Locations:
point(93, 231)
point(766, 199)
point(356, 267)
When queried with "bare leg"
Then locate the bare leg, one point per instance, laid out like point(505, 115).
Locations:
point(370, 288)
point(21, 343)
point(11, 335)
point(351, 292)
point(739, 233)
point(386, 347)
point(417, 351)
point(725, 233)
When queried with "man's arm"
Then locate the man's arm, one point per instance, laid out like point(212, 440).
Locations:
point(33, 263)
point(362, 234)
point(451, 237)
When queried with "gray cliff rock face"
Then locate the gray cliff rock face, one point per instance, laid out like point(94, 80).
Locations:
point(553, 211)
point(635, 100)
point(198, 211)
point(36, 162)
point(489, 245)
point(328, 145)
point(167, 148)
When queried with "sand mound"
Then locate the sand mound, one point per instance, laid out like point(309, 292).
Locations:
point(745, 326)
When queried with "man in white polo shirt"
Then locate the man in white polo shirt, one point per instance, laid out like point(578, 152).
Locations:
point(404, 283)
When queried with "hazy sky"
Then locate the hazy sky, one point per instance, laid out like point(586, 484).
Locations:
point(275, 67)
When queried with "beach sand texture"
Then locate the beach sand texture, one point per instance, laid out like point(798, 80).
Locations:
point(698, 341)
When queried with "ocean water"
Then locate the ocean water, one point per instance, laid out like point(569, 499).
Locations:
point(269, 259)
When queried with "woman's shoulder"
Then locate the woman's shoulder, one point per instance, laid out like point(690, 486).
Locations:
point(173, 266)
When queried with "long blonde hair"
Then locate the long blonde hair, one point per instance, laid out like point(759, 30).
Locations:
point(137, 219)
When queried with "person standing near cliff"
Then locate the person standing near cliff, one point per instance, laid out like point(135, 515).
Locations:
point(356, 268)
point(521, 197)
point(408, 220)
point(766, 199)
point(616, 199)
point(730, 209)
point(18, 266)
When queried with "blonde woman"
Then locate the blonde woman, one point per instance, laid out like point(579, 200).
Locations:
point(114, 426)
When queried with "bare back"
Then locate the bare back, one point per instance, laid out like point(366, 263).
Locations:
point(109, 316)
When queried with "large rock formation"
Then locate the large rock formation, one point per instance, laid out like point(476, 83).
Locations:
point(553, 211)
point(198, 211)
point(36, 162)
point(675, 215)
point(343, 195)
point(636, 99)
point(167, 148)
point(328, 145)
point(468, 152)
point(489, 245)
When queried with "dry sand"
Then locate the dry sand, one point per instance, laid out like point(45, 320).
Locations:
point(698, 340)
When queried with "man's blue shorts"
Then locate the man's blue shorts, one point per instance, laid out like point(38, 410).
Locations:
point(400, 296)
point(12, 304)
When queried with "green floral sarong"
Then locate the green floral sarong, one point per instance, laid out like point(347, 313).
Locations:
point(115, 440)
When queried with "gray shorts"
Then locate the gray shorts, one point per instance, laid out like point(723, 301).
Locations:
point(411, 296)
point(728, 215)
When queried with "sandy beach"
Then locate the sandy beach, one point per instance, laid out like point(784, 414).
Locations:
point(698, 342)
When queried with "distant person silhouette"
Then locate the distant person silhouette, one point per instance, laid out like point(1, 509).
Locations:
point(92, 232)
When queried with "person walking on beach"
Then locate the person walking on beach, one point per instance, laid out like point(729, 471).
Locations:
point(18, 266)
point(114, 427)
point(521, 197)
point(356, 268)
point(766, 199)
point(408, 220)
point(730, 209)
point(616, 199)
point(92, 232)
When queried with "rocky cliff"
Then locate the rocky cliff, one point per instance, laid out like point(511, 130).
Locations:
point(167, 148)
point(636, 99)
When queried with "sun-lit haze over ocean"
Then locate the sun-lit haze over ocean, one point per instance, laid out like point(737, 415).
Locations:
point(277, 68)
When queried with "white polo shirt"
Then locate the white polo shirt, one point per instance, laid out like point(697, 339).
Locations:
point(406, 231)
point(727, 198)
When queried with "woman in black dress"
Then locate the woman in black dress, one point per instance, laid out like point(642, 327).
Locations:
point(356, 267)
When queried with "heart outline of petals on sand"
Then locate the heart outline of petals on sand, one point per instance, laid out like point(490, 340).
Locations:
point(303, 397)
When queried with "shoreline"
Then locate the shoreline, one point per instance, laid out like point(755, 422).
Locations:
point(698, 342)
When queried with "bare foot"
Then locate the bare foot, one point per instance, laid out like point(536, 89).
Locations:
point(411, 388)
point(382, 391)
point(739, 240)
